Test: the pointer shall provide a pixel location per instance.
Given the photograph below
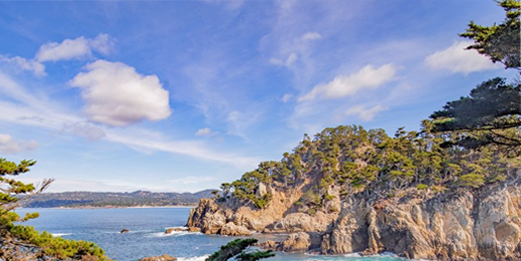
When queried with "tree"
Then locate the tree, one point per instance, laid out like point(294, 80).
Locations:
point(24, 243)
point(490, 115)
point(492, 112)
point(236, 248)
point(499, 42)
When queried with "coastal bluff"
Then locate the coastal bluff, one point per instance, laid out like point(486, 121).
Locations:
point(479, 225)
point(351, 190)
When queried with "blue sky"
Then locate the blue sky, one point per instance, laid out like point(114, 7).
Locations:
point(184, 95)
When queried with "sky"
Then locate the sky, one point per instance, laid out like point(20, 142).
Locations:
point(182, 96)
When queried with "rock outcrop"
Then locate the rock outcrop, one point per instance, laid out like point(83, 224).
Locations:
point(464, 224)
point(230, 229)
point(159, 258)
point(175, 229)
point(296, 242)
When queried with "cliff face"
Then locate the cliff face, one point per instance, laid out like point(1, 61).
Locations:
point(483, 224)
point(351, 190)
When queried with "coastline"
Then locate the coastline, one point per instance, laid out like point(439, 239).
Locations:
point(116, 207)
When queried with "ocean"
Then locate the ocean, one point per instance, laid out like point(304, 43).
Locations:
point(146, 237)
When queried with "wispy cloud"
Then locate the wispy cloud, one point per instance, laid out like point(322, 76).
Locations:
point(205, 132)
point(10, 146)
point(194, 149)
point(21, 63)
point(311, 36)
point(346, 85)
point(457, 59)
point(364, 113)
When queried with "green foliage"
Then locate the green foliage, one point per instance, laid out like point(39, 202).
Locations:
point(422, 186)
point(24, 242)
point(254, 256)
point(501, 43)
point(490, 115)
point(236, 248)
point(473, 180)
point(492, 112)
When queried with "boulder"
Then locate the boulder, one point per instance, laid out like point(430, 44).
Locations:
point(230, 229)
point(296, 242)
point(159, 258)
point(194, 229)
point(174, 229)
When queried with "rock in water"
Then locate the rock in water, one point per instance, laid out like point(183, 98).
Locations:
point(174, 229)
point(159, 258)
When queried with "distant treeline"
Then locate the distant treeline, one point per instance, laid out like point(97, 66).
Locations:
point(114, 199)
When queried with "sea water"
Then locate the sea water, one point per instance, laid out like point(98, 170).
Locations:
point(147, 234)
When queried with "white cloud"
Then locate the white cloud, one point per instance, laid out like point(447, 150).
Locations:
point(286, 97)
point(363, 113)
point(459, 60)
point(10, 146)
point(117, 95)
point(300, 47)
point(78, 48)
point(292, 58)
point(345, 85)
point(204, 132)
point(239, 121)
point(28, 65)
point(311, 36)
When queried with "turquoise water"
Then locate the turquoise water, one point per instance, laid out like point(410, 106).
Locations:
point(146, 236)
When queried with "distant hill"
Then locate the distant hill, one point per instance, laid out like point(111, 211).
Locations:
point(115, 199)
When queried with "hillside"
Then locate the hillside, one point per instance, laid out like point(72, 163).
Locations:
point(354, 190)
point(114, 199)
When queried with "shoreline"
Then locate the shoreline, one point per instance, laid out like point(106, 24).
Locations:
point(116, 207)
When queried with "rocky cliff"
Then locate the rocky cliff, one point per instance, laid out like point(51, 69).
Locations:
point(483, 224)
point(444, 220)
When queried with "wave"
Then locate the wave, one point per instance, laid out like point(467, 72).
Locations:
point(60, 234)
point(181, 227)
point(174, 234)
point(386, 256)
point(195, 258)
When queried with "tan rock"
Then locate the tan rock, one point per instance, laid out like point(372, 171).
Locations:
point(194, 229)
point(159, 258)
point(296, 242)
point(230, 229)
